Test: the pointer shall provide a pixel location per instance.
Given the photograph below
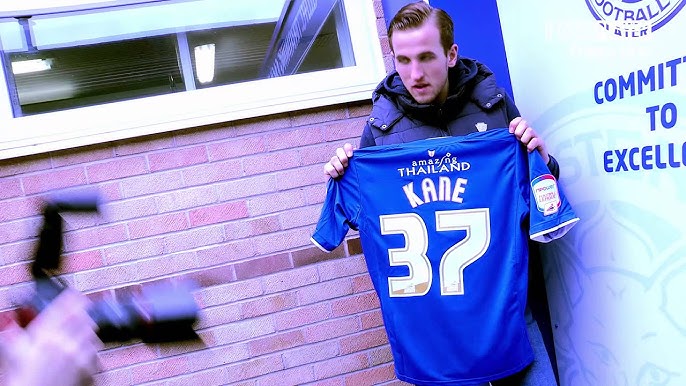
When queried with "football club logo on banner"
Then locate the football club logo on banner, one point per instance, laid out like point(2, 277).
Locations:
point(634, 18)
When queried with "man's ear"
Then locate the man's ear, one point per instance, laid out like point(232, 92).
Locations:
point(452, 56)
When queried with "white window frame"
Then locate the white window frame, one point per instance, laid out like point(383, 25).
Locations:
point(84, 126)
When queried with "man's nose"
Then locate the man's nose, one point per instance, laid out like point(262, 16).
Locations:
point(417, 72)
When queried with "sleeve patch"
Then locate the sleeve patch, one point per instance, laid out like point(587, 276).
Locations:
point(546, 194)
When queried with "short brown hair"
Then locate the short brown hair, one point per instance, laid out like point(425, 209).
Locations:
point(414, 15)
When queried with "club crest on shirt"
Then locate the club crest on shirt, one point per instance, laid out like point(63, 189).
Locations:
point(544, 189)
point(481, 126)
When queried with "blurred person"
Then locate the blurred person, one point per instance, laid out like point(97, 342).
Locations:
point(59, 347)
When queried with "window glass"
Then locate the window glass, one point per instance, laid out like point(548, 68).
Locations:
point(79, 72)
point(83, 58)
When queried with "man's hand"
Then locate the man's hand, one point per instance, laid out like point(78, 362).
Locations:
point(58, 348)
point(336, 166)
point(527, 135)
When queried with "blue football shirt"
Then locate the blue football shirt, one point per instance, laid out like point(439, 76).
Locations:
point(444, 225)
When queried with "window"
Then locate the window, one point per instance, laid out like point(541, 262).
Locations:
point(85, 71)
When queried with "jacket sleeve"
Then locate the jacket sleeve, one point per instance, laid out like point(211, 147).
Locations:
point(367, 138)
point(511, 109)
point(512, 113)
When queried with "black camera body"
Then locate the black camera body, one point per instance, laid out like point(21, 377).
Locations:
point(158, 313)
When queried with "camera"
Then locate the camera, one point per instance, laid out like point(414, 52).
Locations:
point(158, 313)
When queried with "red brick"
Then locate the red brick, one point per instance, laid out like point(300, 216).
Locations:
point(317, 116)
point(363, 341)
point(217, 316)
point(287, 139)
point(23, 165)
point(210, 377)
point(166, 368)
point(355, 304)
point(371, 377)
point(371, 319)
point(134, 250)
point(143, 144)
point(331, 329)
point(113, 377)
point(262, 266)
point(94, 237)
point(16, 252)
point(297, 177)
point(313, 255)
point(217, 356)
point(362, 283)
point(272, 161)
point(105, 277)
point(337, 381)
point(326, 290)
point(212, 276)
point(253, 368)
point(177, 158)
point(165, 265)
point(218, 213)
point(269, 304)
point(116, 169)
point(302, 316)
point(342, 267)
point(315, 194)
point(252, 227)
point(82, 261)
point(246, 187)
point(205, 134)
point(277, 242)
point(10, 187)
point(185, 198)
point(289, 377)
point(310, 354)
point(54, 179)
point(128, 209)
point(235, 148)
point(193, 238)
point(344, 129)
point(299, 217)
point(20, 208)
point(213, 172)
point(157, 225)
point(269, 123)
point(359, 109)
point(151, 183)
point(340, 365)
point(11, 274)
point(380, 355)
point(276, 202)
point(275, 342)
point(127, 355)
point(238, 250)
point(289, 279)
point(20, 229)
point(242, 331)
point(224, 294)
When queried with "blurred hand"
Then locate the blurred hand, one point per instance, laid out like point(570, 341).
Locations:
point(336, 166)
point(58, 348)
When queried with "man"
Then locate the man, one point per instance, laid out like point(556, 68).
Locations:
point(57, 348)
point(435, 93)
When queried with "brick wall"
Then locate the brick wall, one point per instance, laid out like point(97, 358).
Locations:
point(230, 206)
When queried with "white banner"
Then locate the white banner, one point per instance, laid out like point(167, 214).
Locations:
point(604, 81)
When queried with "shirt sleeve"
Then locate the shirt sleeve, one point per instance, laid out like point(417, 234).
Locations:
point(550, 214)
point(339, 213)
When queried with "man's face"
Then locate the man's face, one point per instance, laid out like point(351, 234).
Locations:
point(422, 63)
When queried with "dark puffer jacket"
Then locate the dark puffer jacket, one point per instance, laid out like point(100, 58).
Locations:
point(474, 102)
